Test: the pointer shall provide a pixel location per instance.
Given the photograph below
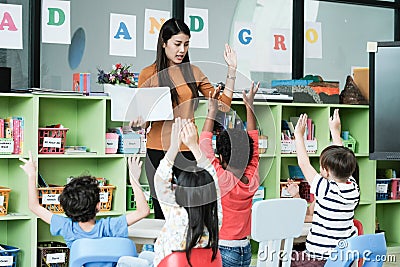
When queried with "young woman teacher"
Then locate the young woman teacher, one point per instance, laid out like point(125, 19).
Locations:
point(172, 68)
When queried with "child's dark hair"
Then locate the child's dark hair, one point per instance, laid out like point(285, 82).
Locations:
point(236, 147)
point(196, 192)
point(80, 197)
point(339, 160)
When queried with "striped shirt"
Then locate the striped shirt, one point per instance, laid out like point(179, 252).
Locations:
point(333, 215)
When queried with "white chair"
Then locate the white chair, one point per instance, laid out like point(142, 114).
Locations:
point(275, 220)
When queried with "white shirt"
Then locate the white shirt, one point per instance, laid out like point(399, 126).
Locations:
point(333, 215)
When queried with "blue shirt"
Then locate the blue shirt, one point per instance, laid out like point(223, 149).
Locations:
point(105, 227)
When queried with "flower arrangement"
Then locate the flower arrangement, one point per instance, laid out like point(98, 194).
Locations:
point(120, 74)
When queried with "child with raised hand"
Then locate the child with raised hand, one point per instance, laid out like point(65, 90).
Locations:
point(192, 210)
point(80, 200)
point(191, 205)
point(237, 171)
point(336, 194)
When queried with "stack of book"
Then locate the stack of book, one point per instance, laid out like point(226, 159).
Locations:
point(265, 94)
point(12, 134)
point(287, 136)
point(288, 129)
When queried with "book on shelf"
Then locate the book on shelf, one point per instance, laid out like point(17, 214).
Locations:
point(41, 181)
point(288, 128)
point(1, 128)
point(77, 152)
point(8, 127)
point(17, 136)
point(264, 94)
point(81, 82)
point(97, 94)
point(45, 91)
point(76, 149)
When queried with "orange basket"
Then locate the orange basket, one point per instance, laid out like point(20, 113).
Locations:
point(52, 140)
point(4, 195)
point(49, 198)
point(106, 194)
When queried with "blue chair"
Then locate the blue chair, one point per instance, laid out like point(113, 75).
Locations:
point(370, 247)
point(95, 252)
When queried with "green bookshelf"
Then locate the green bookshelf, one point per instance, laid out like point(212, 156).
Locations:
point(88, 118)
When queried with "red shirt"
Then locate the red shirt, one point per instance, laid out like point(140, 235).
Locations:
point(237, 197)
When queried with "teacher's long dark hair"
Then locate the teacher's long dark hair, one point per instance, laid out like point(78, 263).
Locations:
point(170, 28)
point(196, 192)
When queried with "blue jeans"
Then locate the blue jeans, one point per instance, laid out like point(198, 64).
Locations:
point(235, 256)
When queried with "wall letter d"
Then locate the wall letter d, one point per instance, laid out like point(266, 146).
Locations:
point(52, 16)
point(193, 23)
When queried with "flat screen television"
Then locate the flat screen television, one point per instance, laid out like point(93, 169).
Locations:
point(384, 94)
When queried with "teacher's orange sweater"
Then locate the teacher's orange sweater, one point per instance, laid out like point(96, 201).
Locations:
point(160, 133)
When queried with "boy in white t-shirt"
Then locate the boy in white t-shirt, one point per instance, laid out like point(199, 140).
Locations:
point(335, 191)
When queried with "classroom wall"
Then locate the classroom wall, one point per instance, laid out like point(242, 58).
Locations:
point(346, 29)
point(93, 18)
point(345, 32)
point(18, 59)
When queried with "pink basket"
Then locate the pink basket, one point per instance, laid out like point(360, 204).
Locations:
point(111, 143)
point(52, 140)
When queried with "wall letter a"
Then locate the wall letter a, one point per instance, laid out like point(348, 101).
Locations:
point(7, 21)
point(123, 30)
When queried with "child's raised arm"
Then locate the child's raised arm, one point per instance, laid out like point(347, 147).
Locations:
point(248, 101)
point(164, 173)
point(189, 138)
point(135, 168)
point(335, 128)
point(30, 168)
point(212, 110)
point(302, 156)
point(175, 141)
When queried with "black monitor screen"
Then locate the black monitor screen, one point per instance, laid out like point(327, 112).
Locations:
point(385, 102)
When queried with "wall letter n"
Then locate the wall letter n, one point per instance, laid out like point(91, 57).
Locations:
point(154, 24)
point(279, 41)
point(8, 22)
